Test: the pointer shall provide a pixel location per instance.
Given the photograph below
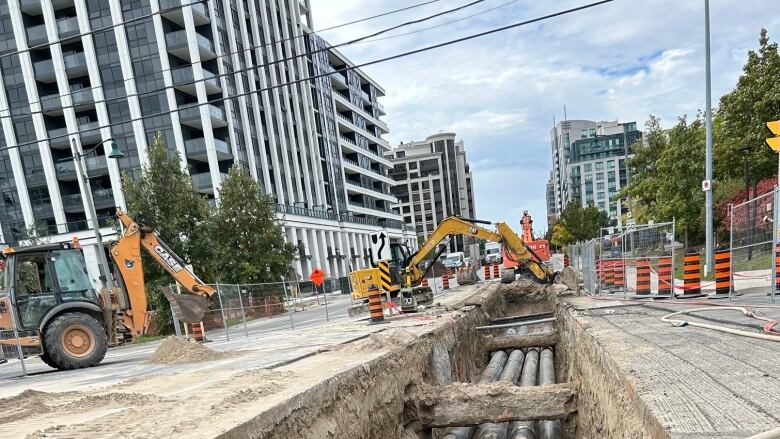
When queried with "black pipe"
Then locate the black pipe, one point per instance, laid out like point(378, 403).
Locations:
point(525, 429)
point(510, 374)
point(491, 373)
point(521, 318)
point(548, 429)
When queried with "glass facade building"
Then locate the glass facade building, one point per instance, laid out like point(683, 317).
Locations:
point(221, 81)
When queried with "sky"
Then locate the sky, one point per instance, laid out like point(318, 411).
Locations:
point(501, 93)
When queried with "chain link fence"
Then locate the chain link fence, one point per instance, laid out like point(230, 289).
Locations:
point(583, 257)
point(753, 245)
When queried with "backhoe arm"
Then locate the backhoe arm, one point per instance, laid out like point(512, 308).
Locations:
point(522, 253)
point(127, 255)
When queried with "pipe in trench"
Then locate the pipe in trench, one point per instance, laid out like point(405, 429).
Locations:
point(550, 429)
point(514, 324)
point(491, 373)
point(525, 429)
point(510, 374)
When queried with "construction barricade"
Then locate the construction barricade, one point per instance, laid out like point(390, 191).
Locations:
point(754, 246)
point(723, 279)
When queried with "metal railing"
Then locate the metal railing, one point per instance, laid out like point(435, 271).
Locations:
point(754, 245)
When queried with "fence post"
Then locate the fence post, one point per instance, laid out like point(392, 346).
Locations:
point(222, 311)
point(12, 312)
point(290, 313)
point(241, 305)
point(325, 297)
point(176, 326)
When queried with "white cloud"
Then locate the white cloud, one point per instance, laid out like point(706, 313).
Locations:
point(625, 60)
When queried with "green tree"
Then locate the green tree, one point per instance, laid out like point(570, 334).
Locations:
point(559, 236)
point(246, 233)
point(164, 197)
point(580, 224)
point(744, 112)
point(666, 175)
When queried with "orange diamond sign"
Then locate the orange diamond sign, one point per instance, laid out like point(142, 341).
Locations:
point(317, 276)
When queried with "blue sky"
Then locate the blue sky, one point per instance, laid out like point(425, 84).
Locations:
point(623, 60)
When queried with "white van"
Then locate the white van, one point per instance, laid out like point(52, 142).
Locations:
point(493, 253)
point(454, 260)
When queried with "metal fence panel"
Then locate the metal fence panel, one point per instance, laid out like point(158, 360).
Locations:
point(11, 365)
point(753, 244)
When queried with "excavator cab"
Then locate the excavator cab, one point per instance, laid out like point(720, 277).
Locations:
point(47, 291)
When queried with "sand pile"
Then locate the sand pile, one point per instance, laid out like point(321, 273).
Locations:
point(389, 339)
point(179, 350)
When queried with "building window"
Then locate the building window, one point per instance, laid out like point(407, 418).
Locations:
point(601, 204)
point(583, 134)
point(601, 196)
point(611, 175)
point(599, 166)
point(588, 167)
point(600, 186)
point(611, 164)
point(592, 132)
point(600, 176)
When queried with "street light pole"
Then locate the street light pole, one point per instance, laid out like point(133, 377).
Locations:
point(78, 158)
point(708, 150)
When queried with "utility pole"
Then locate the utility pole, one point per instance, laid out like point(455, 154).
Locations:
point(708, 151)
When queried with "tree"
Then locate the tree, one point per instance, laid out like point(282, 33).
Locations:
point(666, 175)
point(165, 198)
point(580, 224)
point(247, 235)
point(743, 113)
point(560, 236)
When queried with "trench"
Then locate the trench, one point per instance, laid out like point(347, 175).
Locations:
point(511, 362)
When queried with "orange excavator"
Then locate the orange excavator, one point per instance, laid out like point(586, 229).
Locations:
point(46, 297)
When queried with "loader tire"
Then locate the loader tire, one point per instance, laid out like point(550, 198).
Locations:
point(46, 359)
point(73, 341)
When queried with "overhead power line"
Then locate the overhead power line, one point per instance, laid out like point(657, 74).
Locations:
point(17, 113)
point(384, 14)
point(345, 69)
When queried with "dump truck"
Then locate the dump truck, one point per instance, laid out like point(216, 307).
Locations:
point(48, 300)
point(407, 274)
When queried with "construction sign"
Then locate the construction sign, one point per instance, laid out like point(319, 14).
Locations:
point(774, 142)
point(384, 275)
point(380, 246)
point(317, 276)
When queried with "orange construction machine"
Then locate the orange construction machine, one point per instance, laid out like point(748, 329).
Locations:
point(47, 298)
point(540, 247)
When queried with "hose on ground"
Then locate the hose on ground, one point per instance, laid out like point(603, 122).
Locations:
point(769, 335)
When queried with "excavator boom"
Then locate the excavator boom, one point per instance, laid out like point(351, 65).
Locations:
point(127, 255)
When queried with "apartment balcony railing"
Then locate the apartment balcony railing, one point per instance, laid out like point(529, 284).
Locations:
point(196, 149)
point(36, 35)
point(68, 27)
point(75, 64)
point(178, 44)
point(305, 211)
point(58, 138)
point(200, 12)
point(203, 181)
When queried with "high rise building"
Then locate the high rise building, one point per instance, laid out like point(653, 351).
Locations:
point(433, 181)
point(208, 76)
point(589, 166)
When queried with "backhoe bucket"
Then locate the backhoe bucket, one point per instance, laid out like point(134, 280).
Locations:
point(188, 308)
point(466, 275)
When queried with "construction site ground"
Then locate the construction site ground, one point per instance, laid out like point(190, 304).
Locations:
point(126, 396)
point(696, 383)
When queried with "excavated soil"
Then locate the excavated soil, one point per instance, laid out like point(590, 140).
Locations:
point(389, 339)
point(179, 350)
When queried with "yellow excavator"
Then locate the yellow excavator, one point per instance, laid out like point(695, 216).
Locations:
point(47, 297)
point(406, 274)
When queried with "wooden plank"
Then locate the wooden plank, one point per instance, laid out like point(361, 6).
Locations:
point(463, 404)
point(542, 339)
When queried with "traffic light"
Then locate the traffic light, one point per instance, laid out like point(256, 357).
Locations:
point(774, 142)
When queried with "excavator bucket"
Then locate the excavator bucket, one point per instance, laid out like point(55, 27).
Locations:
point(188, 308)
point(466, 275)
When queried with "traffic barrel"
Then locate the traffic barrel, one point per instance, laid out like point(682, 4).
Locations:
point(643, 276)
point(599, 274)
point(424, 282)
point(609, 276)
point(692, 274)
point(445, 282)
point(487, 272)
point(496, 272)
point(375, 305)
point(565, 260)
point(777, 267)
point(724, 282)
point(619, 275)
point(665, 275)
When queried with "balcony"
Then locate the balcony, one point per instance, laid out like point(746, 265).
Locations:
point(203, 182)
point(200, 14)
point(368, 189)
point(32, 7)
point(103, 199)
point(82, 99)
point(96, 166)
point(67, 27)
point(338, 80)
point(58, 138)
point(196, 149)
point(380, 108)
point(44, 71)
point(75, 64)
point(35, 178)
point(184, 80)
point(367, 152)
point(36, 35)
point(190, 116)
point(305, 211)
point(51, 104)
point(90, 132)
point(178, 45)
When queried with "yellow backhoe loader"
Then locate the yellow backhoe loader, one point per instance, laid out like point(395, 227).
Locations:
point(46, 295)
point(406, 273)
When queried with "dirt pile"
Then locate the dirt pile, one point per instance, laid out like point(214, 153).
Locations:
point(264, 382)
point(389, 339)
point(26, 404)
point(179, 350)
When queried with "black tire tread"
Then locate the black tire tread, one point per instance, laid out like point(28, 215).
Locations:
point(53, 350)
